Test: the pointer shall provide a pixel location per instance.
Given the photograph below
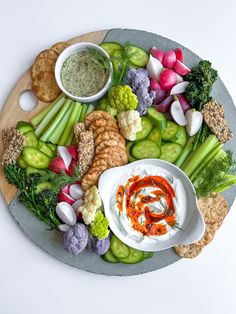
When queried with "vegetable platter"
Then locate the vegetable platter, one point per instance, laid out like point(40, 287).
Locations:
point(137, 96)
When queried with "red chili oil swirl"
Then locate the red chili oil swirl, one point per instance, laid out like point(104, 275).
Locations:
point(137, 204)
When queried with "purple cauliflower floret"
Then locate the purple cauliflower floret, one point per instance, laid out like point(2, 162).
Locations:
point(139, 81)
point(97, 246)
point(138, 78)
point(76, 239)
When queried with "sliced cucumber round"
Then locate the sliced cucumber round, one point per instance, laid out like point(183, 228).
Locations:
point(180, 137)
point(118, 248)
point(129, 146)
point(157, 118)
point(110, 47)
point(155, 136)
point(170, 152)
point(135, 256)
point(170, 131)
point(146, 149)
point(138, 56)
point(146, 128)
point(109, 257)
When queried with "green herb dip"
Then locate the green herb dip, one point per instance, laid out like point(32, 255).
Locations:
point(82, 75)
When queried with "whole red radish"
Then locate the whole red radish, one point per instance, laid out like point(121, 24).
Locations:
point(57, 165)
point(179, 54)
point(154, 85)
point(73, 150)
point(181, 68)
point(157, 53)
point(167, 79)
point(169, 59)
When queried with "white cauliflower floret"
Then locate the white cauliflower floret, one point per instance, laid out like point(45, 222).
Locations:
point(129, 123)
point(92, 201)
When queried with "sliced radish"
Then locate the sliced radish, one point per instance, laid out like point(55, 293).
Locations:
point(154, 67)
point(73, 150)
point(179, 88)
point(65, 155)
point(66, 213)
point(157, 53)
point(184, 102)
point(76, 191)
point(77, 205)
point(164, 106)
point(66, 188)
point(177, 113)
point(179, 78)
point(179, 54)
point(160, 96)
point(194, 121)
point(181, 68)
point(167, 79)
point(57, 165)
point(64, 227)
point(72, 167)
point(65, 197)
point(169, 59)
point(154, 85)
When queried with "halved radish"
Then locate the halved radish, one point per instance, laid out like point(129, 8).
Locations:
point(167, 79)
point(73, 150)
point(154, 85)
point(179, 88)
point(157, 53)
point(177, 113)
point(164, 106)
point(72, 167)
point(64, 227)
point(66, 213)
point(66, 189)
point(65, 155)
point(57, 165)
point(179, 54)
point(77, 205)
point(76, 191)
point(181, 68)
point(194, 121)
point(179, 78)
point(160, 96)
point(154, 67)
point(184, 102)
point(65, 197)
point(169, 59)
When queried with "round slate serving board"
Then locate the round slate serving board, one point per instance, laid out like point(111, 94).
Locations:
point(51, 241)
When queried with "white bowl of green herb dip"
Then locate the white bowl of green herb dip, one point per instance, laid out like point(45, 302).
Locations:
point(83, 72)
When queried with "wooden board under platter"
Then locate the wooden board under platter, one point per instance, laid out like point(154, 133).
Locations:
point(12, 112)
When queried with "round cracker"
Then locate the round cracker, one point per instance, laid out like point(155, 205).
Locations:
point(42, 65)
point(108, 135)
point(206, 239)
point(60, 46)
point(108, 143)
point(103, 129)
point(97, 115)
point(214, 209)
point(102, 123)
point(45, 87)
point(213, 227)
point(188, 251)
point(109, 153)
point(47, 53)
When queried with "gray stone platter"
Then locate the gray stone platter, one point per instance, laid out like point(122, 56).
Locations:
point(51, 241)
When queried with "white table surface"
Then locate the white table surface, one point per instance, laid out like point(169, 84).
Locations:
point(33, 282)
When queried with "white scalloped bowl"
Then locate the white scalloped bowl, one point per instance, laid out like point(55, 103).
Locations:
point(192, 226)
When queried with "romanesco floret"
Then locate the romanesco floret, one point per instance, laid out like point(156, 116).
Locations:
point(122, 98)
point(104, 105)
point(99, 227)
point(92, 201)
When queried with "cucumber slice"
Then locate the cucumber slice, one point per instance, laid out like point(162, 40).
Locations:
point(146, 128)
point(117, 61)
point(110, 47)
point(129, 146)
point(30, 139)
point(43, 147)
point(138, 56)
point(147, 255)
point(24, 127)
point(170, 131)
point(155, 136)
point(53, 147)
point(135, 256)
point(170, 152)
point(146, 149)
point(180, 137)
point(157, 118)
point(36, 159)
point(43, 186)
point(109, 257)
point(21, 163)
point(30, 170)
point(118, 248)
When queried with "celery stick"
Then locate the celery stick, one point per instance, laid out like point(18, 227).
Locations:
point(205, 162)
point(90, 109)
point(39, 117)
point(70, 125)
point(50, 115)
point(73, 142)
point(83, 112)
point(185, 152)
point(71, 135)
point(58, 132)
point(199, 155)
point(229, 181)
point(56, 123)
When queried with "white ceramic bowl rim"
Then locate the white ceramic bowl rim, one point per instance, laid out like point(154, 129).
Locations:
point(82, 46)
